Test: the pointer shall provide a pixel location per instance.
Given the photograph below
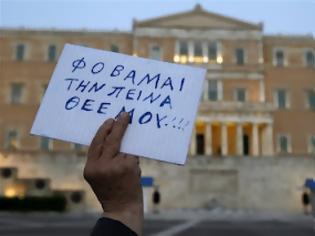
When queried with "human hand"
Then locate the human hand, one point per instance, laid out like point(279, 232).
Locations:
point(115, 177)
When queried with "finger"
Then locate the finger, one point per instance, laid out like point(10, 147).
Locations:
point(96, 146)
point(113, 140)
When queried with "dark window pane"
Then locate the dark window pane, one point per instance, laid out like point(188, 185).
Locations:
point(200, 144)
point(20, 52)
point(241, 95)
point(279, 58)
point(283, 144)
point(16, 93)
point(240, 60)
point(311, 99)
point(310, 59)
point(212, 51)
point(281, 97)
point(44, 143)
point(213, 90)
point(77, 147)
point(198, 49)
point(183, 48)
point(11, 139)
point(114, 48)
point(52, 53)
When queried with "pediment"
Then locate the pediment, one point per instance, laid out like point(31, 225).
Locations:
point(198, 19)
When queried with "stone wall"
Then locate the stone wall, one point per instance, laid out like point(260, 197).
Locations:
point(235, 182)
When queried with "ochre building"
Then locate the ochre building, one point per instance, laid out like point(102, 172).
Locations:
point(259, 91)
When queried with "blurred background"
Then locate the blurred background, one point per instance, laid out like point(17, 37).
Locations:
point(252, 153)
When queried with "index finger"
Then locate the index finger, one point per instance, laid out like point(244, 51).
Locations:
point(113, 140)
point(96, 146)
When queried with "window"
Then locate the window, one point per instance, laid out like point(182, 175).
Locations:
point(212, 52)
point(20, 52)
point(183, 48)
point(43, 90)
point(198, 55)
point(114, 48)
point(11, 139)
point(281, 99)
point(284, 145)
point(155, 53)
point(279, 58)
point(52, 53)
point(200, 140)
point(240, 95)
point(213, 90)
point(311, 99)
point(77, 147)
point(240, 56)
point(16, 93)
point(198, 49)
point(310, 59)
point(312, 144)
point(45, 144)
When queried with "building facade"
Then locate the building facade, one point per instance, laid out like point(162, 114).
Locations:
point(259, 91)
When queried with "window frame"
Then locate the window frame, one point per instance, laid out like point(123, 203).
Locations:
point(112, 45)
point(6, 141)
point(274, 57)
point(309, 50)
point(48, 53)
point(311, 146)
point(244, 56)
point(24, 57)
point(289, 143)
point(180, 42)
point(287, 99)
point(217, 51)
point(21, 96)
point(50, 144)
point(151, 46)
point(236, 94)
point(307, 99)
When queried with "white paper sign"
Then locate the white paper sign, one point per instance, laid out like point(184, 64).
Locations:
point(89, 86)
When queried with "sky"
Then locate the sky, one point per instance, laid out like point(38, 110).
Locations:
point(278, 16)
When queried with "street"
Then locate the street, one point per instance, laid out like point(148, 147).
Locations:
point(156, 225)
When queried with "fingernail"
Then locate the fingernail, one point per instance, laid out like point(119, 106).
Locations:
point(124, 115)
point(110, 121)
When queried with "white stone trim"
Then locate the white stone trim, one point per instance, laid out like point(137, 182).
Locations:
point(235, 118)
point(220, 90)
point(262, 91)
point(235, 75)
point(200, 34)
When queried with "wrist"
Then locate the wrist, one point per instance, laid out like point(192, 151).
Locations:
point(132, 217)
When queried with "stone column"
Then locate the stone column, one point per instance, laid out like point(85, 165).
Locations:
point(205, 52)
point(190, 51)
point(208, 141)
point(239, 139)
point(193, 143)
point(255, 138)
point(224, 140)
point(269, 140)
